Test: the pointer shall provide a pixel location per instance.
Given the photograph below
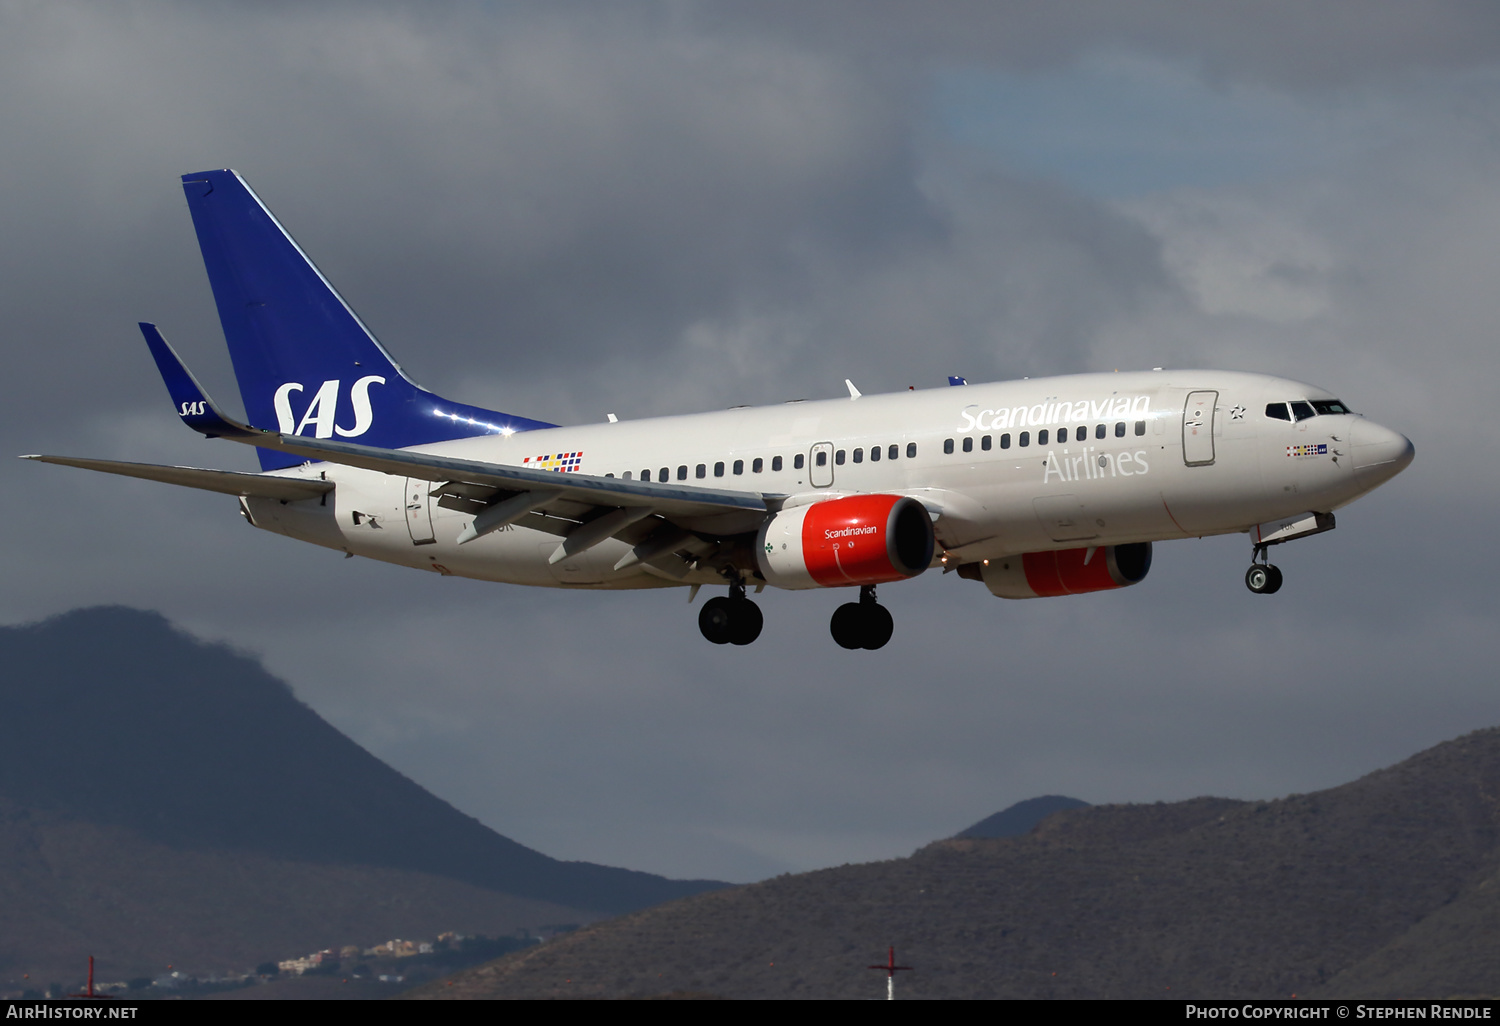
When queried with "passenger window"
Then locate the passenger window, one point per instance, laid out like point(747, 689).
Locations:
point(757, 465)
point(1025, 439)
point(665, 476)
point(682, 472)
point(718, 469)
point(700, 471)
point(1099, 431)
point(859, 455)
point(984, 443)
point(609, 475)
point(838, 457)
point(1005, 440)
point(797, 462)
point(1041, 437)
point(1120, 429)
point(1302, 411)
point(822, 459)
point(1062, 434)
point(911, 450)
point(1140, 427)
point(893, 452)
point(948, 446)
point(739, 466)
point(626, 475)
point(874, 454)
point(968, 443)
point(775, 462)
point(1277, 411)
point(645, 475)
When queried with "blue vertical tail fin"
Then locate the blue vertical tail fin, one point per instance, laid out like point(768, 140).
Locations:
point(304, 361)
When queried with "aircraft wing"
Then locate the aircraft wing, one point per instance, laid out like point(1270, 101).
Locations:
point(229, 482)
point(497, 493)
point(664, 497)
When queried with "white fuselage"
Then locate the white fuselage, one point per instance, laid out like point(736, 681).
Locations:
point(1146, 456)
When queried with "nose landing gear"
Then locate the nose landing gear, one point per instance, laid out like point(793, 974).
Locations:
point(862, 624)
point(732, 620)
point(1262, 578)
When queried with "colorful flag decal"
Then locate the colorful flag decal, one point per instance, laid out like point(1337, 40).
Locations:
point(1321, 449)
point(561, 463)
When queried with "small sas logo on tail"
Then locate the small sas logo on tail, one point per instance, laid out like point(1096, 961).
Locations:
point(561, 463)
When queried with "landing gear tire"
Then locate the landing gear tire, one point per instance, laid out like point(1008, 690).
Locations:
point(1263, 579)
point(730, 621)
point(745, 622)
point(878, 626)
point(848, 626)
point(715, 620)
point(863, 624)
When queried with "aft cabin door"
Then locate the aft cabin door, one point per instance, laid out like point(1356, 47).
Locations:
point(1198, 428)
point(419, 511)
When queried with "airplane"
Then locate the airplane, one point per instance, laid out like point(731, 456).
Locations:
point(1034, 488)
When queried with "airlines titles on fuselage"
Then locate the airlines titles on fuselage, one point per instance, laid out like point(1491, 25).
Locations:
point(1086, 465)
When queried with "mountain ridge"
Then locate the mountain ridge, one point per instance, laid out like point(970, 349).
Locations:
point(234, 761)
point(1382, 887)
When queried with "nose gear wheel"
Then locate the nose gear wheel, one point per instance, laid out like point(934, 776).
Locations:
point(1263, 579)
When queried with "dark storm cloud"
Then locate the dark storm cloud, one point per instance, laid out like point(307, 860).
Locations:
point(569, 209)
point(1281, 41)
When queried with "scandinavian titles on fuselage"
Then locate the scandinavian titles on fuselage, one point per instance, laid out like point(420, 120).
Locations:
point(1053, 412)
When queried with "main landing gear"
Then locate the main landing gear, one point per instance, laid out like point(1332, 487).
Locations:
point(862, 624)
point(734, 620)
point(1262, 578)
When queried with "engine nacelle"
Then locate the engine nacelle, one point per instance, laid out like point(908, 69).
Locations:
point(1066, 572)
point(861, 539)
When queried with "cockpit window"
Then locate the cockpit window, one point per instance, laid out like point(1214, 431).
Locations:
point(1302, 409)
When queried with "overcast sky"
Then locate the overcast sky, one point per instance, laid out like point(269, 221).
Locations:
point(567, 209)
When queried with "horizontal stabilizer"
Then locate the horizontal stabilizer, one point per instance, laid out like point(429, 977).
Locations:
point(229, 482)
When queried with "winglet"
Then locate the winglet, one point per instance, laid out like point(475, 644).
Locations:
point(193, 405)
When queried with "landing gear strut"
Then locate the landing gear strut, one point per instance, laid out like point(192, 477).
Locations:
point(862, 624)
point(734, 620)
point(1262, 578)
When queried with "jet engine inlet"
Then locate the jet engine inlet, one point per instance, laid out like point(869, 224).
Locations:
point(858, 540)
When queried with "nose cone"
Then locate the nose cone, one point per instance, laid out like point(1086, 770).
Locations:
point(1379, 453)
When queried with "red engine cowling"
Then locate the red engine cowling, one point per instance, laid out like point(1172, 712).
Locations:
point(1067, 572)
point(861, 539)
